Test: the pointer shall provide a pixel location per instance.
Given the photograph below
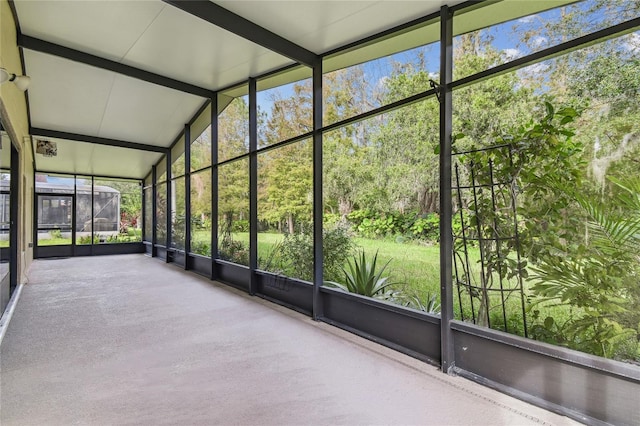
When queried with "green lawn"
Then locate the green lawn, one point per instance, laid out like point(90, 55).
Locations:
point(416, 269)
point(54, 242)
point(415, 266)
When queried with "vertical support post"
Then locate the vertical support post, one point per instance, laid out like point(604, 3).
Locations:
point(446, 238)
point(253, 184)
point(36, 209)
point(93, 212)
point(154, 211)
point(318, 255)
point(168, 208)
point(214, 187)
point(73, 214)
point(187, 194)
point(143, 219)
point(14, 215)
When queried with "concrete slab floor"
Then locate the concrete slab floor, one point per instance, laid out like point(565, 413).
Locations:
point(127, 339)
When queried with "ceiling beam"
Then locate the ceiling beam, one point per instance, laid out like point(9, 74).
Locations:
point(35, 44)
point(74, 137)
point(223, 18)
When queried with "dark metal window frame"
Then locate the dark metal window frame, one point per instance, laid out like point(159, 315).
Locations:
point(73, 248)
point(452, 334)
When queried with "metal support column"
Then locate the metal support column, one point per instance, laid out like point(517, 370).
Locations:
point(73, 214)
point(36, 209)
point(93, 212)
point(318, 259)
point(253, 184)
point(14, 217)
point(214, 187)
point(446, 238)
point(168, 208)
point(187, 194)
point(143, 219)
point(154, 211)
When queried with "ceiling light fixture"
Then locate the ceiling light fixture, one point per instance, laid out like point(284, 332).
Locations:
point(21, 81)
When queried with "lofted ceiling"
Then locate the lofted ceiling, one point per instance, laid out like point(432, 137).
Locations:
point(72, 51)
point(114, 82)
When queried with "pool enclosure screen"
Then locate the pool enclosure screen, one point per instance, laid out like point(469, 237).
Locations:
point(82, 211)
point(475, 154)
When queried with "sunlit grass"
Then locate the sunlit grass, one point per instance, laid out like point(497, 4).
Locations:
point(54, 242)
point(415, 268)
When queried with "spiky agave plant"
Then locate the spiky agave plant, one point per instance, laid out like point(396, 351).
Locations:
point(362, 276)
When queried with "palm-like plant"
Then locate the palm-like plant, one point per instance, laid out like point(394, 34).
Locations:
point(612, 231)
point(364, 277)
point(599, 275)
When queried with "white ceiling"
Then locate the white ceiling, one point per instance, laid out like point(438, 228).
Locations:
point(154, 36)
point(321, 26)
point(84, 158)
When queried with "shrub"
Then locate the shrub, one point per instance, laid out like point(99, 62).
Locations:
point(363, 277)
point(428, 303)
point(371, 224)
point(202, 248)
point(427, 227)
point(295, 254)
point(240, 226)
point(233, 251)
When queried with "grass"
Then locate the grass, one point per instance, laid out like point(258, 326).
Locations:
point(415, 266)
point(54, 242)
point(416, 269)
point(58, 241)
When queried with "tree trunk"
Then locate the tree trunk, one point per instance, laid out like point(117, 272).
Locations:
point(428, 201)
point(290, 223)
point(344, 207)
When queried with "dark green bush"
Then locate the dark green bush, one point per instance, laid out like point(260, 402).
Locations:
point(240, 225)
point(233, 251)
point(296, 253)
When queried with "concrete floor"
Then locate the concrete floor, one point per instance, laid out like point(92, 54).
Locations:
point(129, 340)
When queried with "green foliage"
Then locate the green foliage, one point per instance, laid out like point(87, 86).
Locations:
point(233, 250)
point(331, 220)
point(337, 245)
point(285, 201)
point(293, 256)
point(428, 303)
point(230, 249)
point(296, 255)
point(363, 276)
point(87, 239)
point(55, 234)
point(240, 225)
point(598, 276)
point(529, 162)
point(427, 228)
point(372, 224)
point(202, 248)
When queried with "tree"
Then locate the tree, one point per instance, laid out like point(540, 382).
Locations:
point(233, 178)
point(285, 174)
point(405, 146)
